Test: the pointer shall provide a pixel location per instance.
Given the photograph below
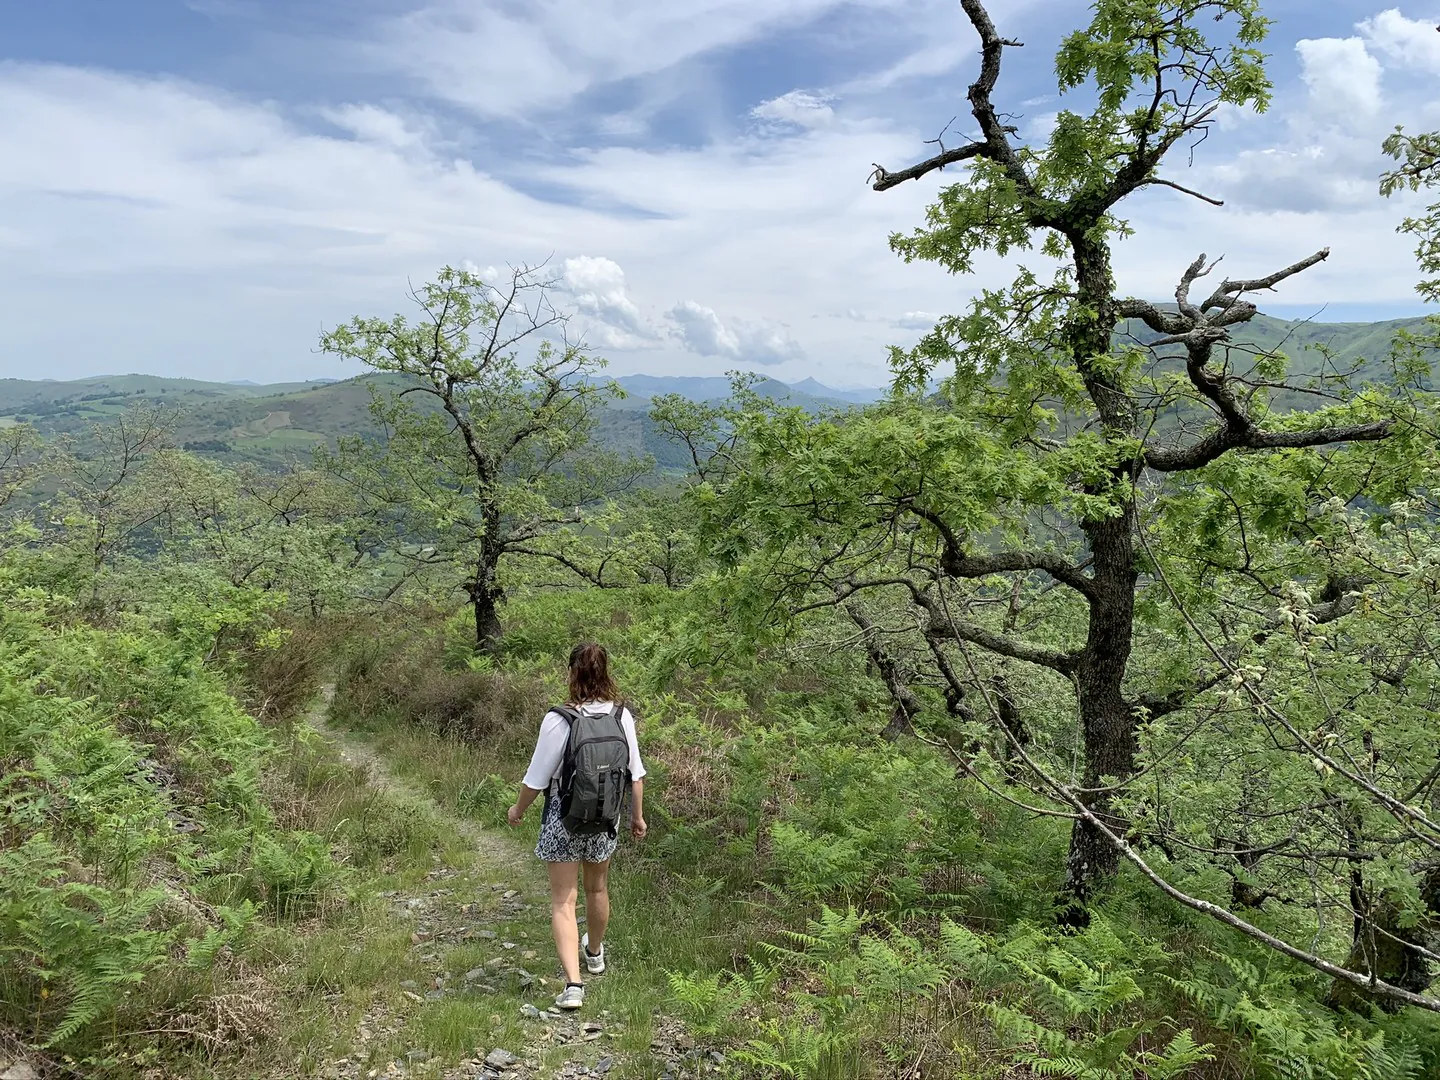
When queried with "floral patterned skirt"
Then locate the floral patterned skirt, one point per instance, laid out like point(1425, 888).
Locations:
point(556, 844)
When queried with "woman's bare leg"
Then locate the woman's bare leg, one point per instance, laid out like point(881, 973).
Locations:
point(563, 880)
point(597, 902)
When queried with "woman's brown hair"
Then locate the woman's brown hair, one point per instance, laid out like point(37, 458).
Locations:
point(590, 674)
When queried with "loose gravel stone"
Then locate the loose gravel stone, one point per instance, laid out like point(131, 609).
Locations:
point(500, 1059)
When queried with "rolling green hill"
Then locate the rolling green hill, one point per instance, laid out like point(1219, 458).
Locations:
point(261, 423)
point(268, 422)
point(1307, 342)
point(103, 392)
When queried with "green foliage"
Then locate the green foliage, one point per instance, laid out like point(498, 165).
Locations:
point(292, 871)
point(858, 824)
point(73, 949)
point(1107, 1004)
point(1101, 573)
point(713, 1003)
point(860, 795)
point(233, 934)
point(487, 799)
point(1127, 46)
point(1079, 1015)
point(426, 673)
point(131, 786)
point(1419, 167)
point(1285, 1036)
point(804, 1035)
point(498, 462)
point(19, 448)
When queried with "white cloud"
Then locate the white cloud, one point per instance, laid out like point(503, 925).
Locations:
point(1342, 76)
point(224, 9)
point(154, 224)
point(916, 320)
point(1041, 126)
point(622, 125)
point(596, 285)
point(1414, 43)
point(1330, 173)
point(490, 274)
point(198, 225)
point(1369, 261)
point(370, 123)
point(798, 108)
point(945, 43)
point(702, 331)
point(505, 60)
point(925, 62)
point(1323, 151)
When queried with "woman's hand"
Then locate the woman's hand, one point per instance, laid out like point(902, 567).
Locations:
point(514, 815)
point(638, 828)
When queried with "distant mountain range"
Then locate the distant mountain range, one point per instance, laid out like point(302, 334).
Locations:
point(264, 422)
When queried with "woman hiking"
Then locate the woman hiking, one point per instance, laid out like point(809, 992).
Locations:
point(590, 837)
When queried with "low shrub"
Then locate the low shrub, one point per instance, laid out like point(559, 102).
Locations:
point(279, 678)
point(402, 676)
point(133, 821)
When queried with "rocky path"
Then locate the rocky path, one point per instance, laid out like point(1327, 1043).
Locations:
point(481, 934)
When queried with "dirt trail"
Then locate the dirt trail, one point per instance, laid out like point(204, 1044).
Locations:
point(358, 754)
point(503, 895)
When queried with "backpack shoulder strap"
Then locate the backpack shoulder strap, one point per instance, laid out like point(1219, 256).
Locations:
point(565, 712)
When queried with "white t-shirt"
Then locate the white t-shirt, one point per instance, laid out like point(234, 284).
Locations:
point(555, 733)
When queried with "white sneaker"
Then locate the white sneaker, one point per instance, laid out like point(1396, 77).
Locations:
point(572, 997)
point(594, 964)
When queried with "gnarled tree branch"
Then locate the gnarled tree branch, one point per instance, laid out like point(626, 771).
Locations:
point(956, 562)
point(994, 142)
point(1224, 440)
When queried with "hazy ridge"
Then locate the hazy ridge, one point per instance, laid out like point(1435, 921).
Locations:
point(256, 421)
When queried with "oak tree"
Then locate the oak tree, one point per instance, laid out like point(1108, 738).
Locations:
point(1123, 552)
point(498, 461)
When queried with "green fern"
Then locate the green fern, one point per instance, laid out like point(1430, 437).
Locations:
point(108, 739)
point(708, 1002)
point(1178, 1058)
point(234, 928)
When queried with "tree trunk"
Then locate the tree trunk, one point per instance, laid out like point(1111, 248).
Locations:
point(487, 622)
point(486, 596)
point(1386, 949)
point(1107, 720)
point(906, 707)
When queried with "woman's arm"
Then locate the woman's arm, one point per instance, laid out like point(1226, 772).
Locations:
point(549, 749)
point(638, 828)
point(522, 803)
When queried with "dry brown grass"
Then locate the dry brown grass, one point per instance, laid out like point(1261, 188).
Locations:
point(476, 707)
point(697, 786)
point(403, 677)
point(949, 1034)
point(277, 683)
point(14, 1049)
point(242, 1015)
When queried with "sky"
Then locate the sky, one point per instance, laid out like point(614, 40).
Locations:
point(202, 187)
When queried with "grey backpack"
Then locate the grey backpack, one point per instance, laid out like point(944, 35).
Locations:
point(595, 772)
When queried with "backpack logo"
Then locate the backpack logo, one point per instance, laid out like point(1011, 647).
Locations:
point(595, 771)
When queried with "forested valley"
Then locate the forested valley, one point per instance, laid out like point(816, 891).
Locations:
point(1071, 710)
